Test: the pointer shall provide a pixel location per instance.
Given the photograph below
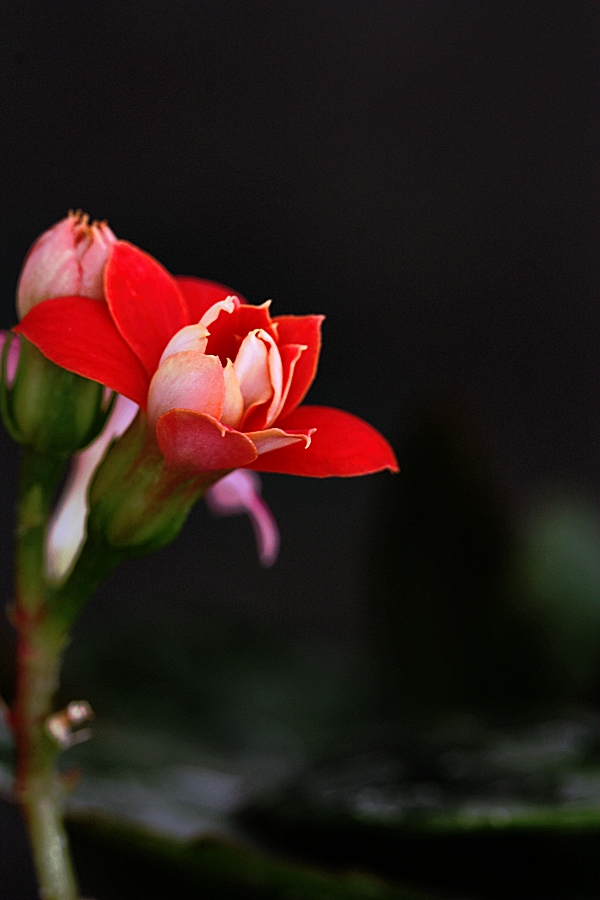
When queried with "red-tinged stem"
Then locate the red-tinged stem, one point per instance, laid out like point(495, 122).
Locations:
point(137, 504)
point(38, 785)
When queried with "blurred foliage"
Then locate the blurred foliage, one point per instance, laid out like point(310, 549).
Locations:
point(213, 869)
point(559, 565)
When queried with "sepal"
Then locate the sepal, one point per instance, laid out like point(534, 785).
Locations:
point(137, 502)
point(45, 407)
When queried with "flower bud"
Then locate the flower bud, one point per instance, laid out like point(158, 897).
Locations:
point(48, 408)
point(44, 406)
point(67, 260)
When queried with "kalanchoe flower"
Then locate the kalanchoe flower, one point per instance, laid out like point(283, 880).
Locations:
point(44, 407)
point(221, 381)
point(68, 259)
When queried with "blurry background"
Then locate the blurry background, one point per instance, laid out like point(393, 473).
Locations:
point(425, 174)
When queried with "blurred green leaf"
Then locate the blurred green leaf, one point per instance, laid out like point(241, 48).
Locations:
point(454, 777)
point(219, 869)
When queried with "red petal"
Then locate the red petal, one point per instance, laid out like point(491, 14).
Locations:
point(200, 295)
point(78, 334)
point(229, 330)
point(342, 444)
point(147, 306)
point(199, 442)
point(300, 330)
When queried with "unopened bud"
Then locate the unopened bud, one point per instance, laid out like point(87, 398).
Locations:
point(67, 260)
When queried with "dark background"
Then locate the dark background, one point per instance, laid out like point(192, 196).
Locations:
point(424, 173)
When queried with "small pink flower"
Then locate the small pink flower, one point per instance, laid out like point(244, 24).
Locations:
point(67, 260)
point(12, 360)
point(239, 492)
point(67, 527)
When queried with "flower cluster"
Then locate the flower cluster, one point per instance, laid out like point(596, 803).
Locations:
point(220, 381)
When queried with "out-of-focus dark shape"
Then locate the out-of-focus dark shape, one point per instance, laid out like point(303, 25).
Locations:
point(469, 613)
point(558, 565)
point(446, 635)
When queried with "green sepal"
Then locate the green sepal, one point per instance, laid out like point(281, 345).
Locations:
point(47, 408)
point(138, 503)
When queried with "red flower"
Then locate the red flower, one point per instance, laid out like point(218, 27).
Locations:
point(221, 380)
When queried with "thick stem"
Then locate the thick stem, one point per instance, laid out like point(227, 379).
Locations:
point(38, 480)
point(136, 505)
point(38, 785)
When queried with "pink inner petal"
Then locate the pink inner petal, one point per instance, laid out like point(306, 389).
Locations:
point(233, 405)
point(276, 376)
point(252, 369)
point(191, 337)
point(187, 380)
point(227, 305)
point(276, 439)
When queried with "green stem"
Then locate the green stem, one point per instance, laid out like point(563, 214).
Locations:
point(38, 480)
point(38, 785)
point(137, 504)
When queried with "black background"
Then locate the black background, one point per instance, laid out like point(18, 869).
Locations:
point(424, 173)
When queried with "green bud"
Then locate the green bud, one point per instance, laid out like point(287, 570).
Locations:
point(43, 406)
